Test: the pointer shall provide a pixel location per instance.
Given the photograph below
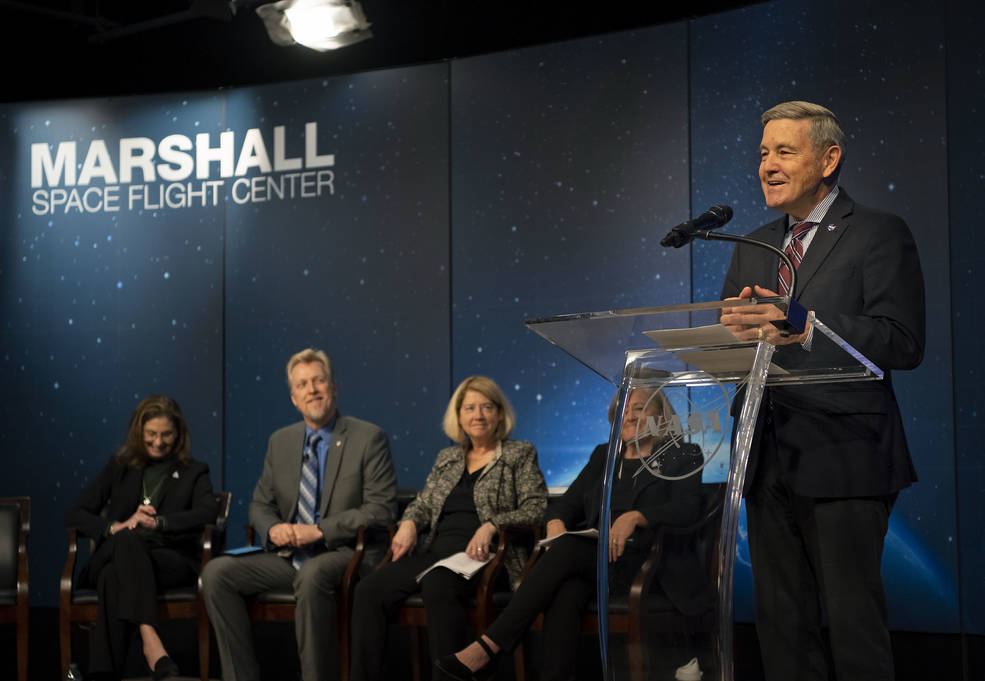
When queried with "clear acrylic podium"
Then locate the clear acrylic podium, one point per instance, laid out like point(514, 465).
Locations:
point(678, 369)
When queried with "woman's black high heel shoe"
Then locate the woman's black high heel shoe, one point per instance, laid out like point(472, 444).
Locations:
point(453, 668)
point(164, 668)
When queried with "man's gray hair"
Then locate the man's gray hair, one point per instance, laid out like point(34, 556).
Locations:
point(825, 131)
point(306, 356)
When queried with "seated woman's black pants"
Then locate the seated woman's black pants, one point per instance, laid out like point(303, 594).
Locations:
point(128, 570)
point(560, 585)
point(379, 596)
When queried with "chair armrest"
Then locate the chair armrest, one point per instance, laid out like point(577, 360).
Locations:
point(536, 551)
point(490, 573)
point(68, 572)
point(391, 529)
point(22, 565)
point(207, 547)
point(351, 574)
point(507, 535)
point(647, 571)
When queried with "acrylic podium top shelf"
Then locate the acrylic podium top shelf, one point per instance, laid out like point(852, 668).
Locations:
point(687, 342)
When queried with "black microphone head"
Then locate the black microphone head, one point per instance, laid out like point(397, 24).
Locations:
point(675, 239)
point(722, 214)
point(713, 218)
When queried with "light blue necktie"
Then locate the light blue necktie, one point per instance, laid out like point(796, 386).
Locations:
point(308, 493)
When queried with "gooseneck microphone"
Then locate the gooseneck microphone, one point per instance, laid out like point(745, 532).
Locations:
point(713, 218)
point(682, 234)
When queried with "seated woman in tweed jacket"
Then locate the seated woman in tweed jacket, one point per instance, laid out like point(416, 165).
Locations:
point(484, 482)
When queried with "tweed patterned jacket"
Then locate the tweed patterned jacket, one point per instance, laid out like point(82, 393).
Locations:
point(510, 491)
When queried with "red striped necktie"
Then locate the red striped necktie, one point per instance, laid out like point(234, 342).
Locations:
point(795, 250)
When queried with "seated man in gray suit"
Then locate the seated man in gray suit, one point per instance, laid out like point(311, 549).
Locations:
point(322, 478)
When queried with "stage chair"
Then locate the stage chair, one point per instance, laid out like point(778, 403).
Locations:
point(15, 525)
point(642, 611)
point(80, 606)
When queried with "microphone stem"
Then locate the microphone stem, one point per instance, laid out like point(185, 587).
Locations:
point(709, 235)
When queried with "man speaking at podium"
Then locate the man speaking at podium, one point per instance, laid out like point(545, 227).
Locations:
point(827, 460)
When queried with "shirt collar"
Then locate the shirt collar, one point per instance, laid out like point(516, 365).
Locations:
point(325, 431)
point(820, 210)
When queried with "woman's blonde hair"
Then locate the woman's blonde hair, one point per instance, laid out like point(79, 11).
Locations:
point(665, 411)
point(487, 387)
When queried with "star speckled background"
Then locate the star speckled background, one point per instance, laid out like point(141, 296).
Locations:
point(566, 161)
point(470, 196)
point(363, 274)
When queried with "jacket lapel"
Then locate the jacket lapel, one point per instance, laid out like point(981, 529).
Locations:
point(333, 460)
point(829, 232)
point(171, 479)
point(497, 455)
point(293, 470)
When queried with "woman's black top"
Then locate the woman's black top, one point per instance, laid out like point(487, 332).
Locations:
point(459, 519)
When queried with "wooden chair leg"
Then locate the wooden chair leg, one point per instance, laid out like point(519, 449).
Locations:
point(65, 641)
point(415, 653)
point(203, 644)
point(22, 644)
point(637, 663)
point(344, 644)
point(519, 664)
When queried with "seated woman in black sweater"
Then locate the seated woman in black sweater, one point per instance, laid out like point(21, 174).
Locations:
point(145, 510)
point(563, 580)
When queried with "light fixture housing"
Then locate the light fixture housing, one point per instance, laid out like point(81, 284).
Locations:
point(319, 24)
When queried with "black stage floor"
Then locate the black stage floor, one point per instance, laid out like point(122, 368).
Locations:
point(919, 656)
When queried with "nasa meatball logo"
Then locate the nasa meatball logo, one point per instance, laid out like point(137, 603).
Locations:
point(675, 416)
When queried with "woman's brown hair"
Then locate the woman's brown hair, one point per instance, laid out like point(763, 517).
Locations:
point(134, 453)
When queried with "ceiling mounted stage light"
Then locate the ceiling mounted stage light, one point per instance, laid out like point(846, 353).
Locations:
point(319, 24)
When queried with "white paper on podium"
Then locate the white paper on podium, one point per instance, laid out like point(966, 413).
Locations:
point(724, 360)
point(698, 337)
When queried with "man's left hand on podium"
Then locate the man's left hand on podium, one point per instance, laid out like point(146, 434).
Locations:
point(753, 323)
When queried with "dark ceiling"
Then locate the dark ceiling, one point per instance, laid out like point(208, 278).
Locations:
point(55, 49)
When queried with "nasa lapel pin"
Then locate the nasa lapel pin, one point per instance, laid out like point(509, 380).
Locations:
point(832, 228)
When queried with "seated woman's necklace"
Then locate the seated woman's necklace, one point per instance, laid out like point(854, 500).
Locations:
point(147, 495)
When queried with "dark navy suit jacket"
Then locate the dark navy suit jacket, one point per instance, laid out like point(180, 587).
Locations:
point(861, 276)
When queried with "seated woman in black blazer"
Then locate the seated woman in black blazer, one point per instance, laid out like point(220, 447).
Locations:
point(156, 500)
point(562, 582)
